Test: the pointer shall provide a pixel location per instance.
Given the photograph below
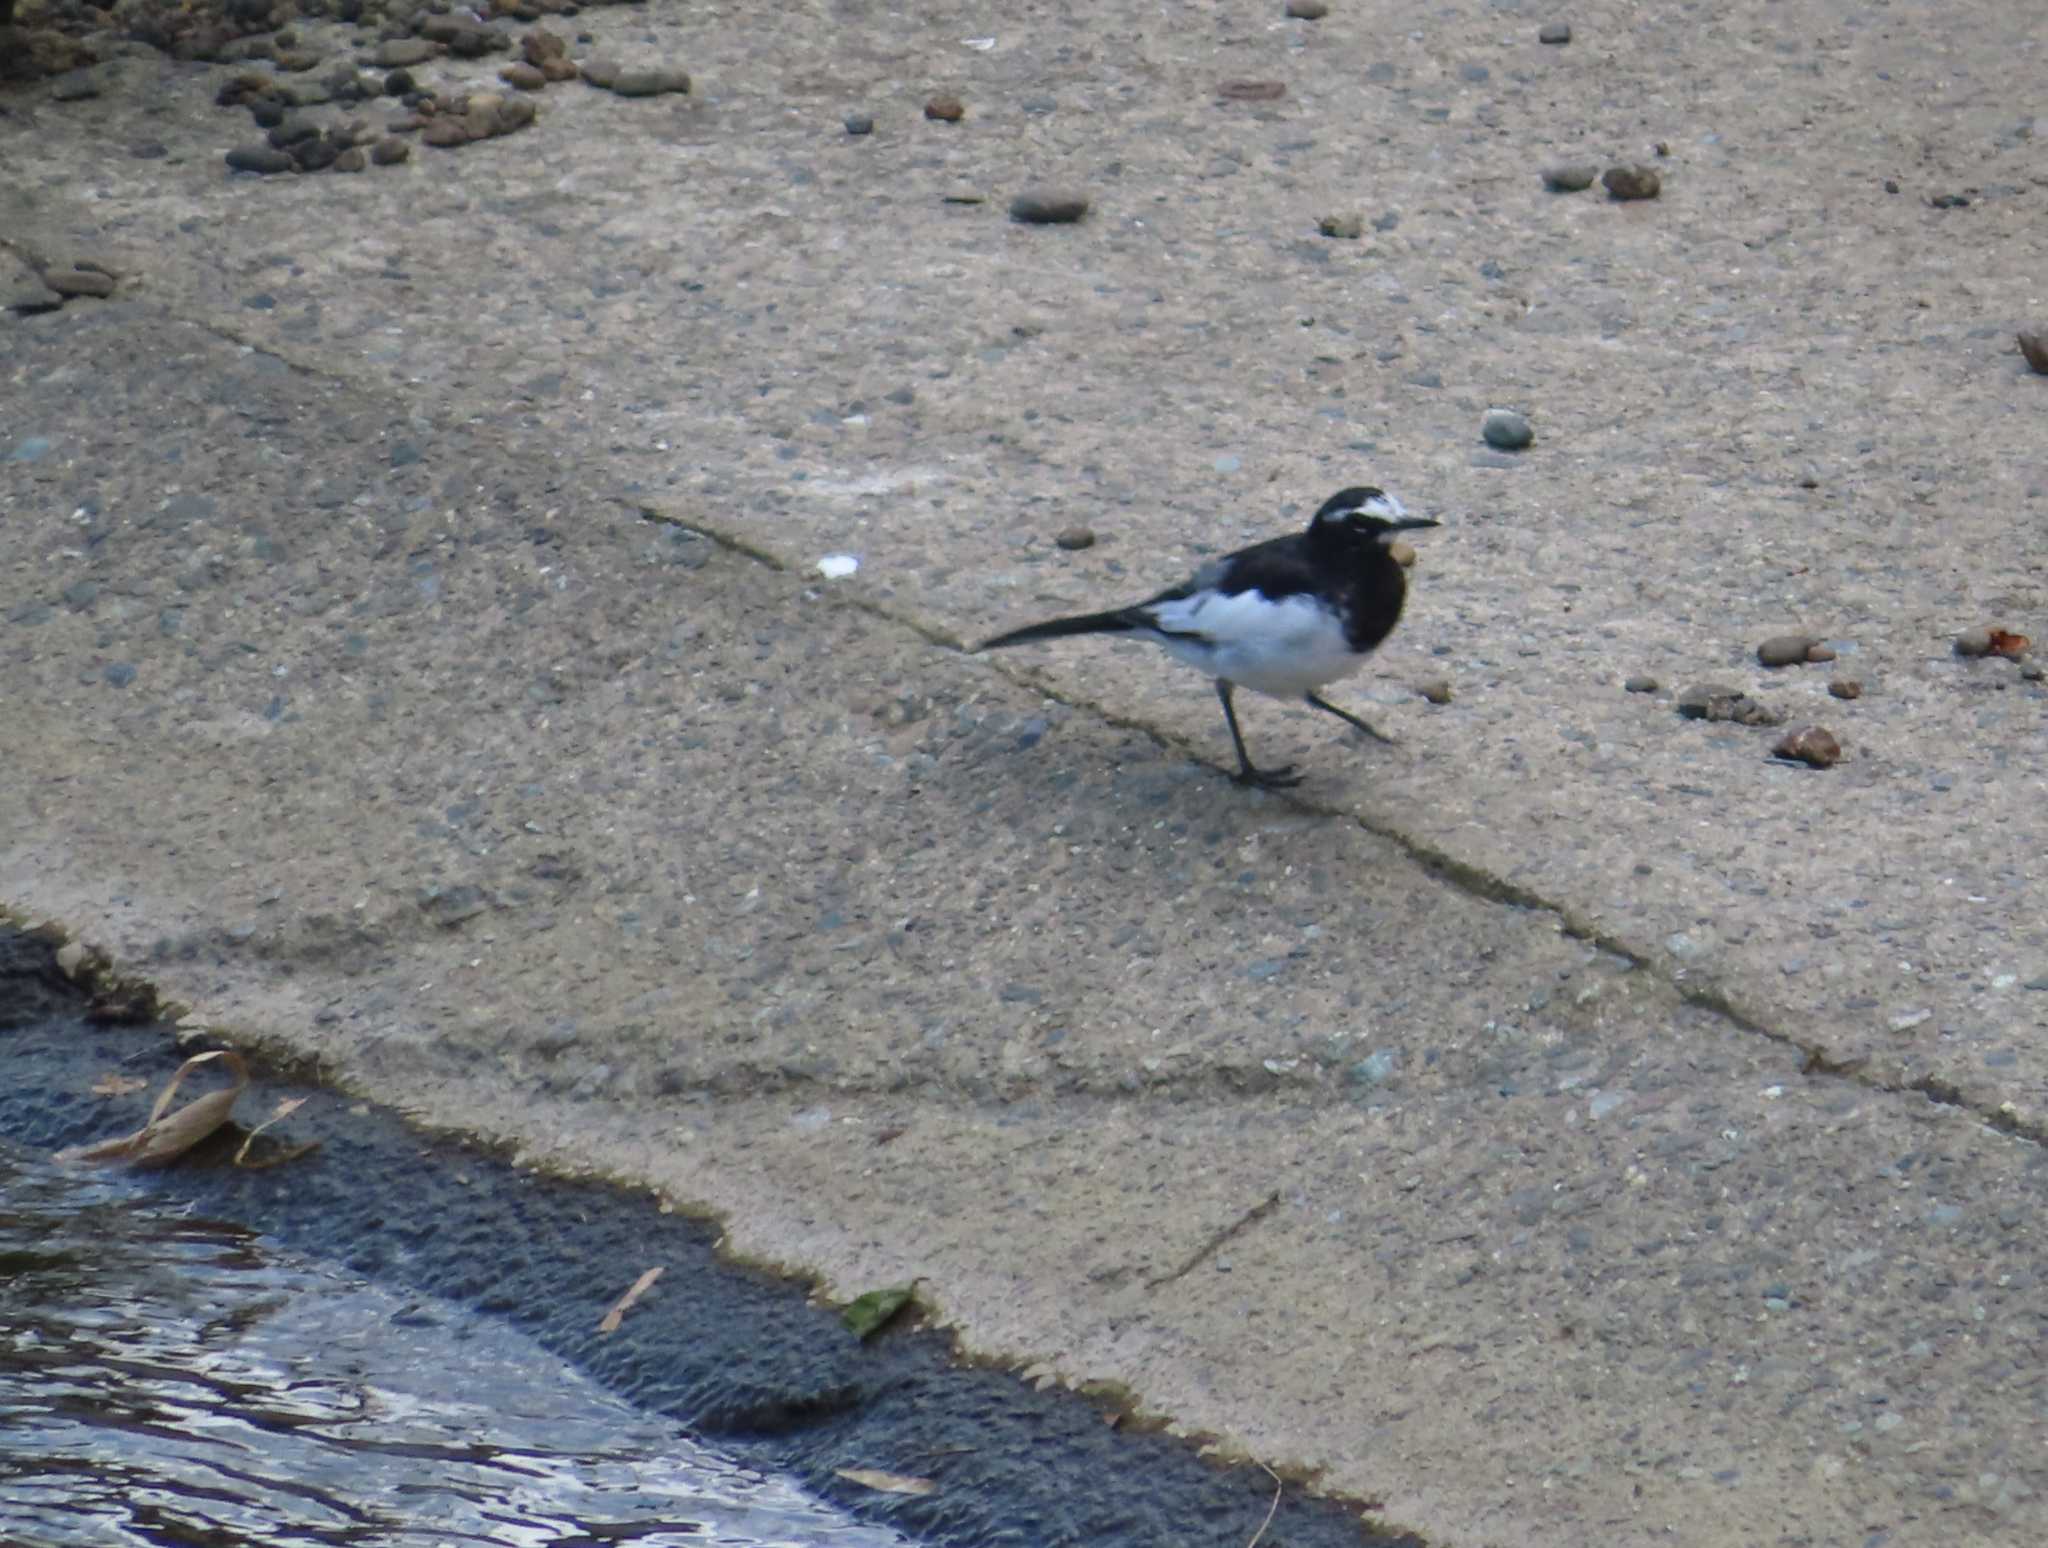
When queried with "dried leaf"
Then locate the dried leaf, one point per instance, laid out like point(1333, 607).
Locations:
point(867, 1315)
point(611, 1319)
point(2005, 643)
point(163, 1139)
point(285, 1108)
point(112, 1085)
point(887, 1483)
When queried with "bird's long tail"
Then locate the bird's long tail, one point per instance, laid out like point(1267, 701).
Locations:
point(1122, 621)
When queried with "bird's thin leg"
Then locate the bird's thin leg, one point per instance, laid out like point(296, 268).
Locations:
point(1270, 779)
point(1346, 715)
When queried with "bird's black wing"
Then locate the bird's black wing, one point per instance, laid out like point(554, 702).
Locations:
point(1276, 568)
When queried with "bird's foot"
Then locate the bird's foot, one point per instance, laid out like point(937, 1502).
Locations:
point(1282, 778)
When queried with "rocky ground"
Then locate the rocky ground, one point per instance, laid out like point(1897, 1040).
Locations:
point(541, 564)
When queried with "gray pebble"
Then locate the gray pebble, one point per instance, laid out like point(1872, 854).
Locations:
point(2034, 346)
point(859, 123)
point(1506, 430)
point(1641, 685)
point(651, 81)
point(1973, 642)
point(1845, 688)
point(1307, 10)
point(1813, 745)
point(1632, 182)
point(1048, 207)
point(1374, 1069)
point(2032, 671)
point(79, 282)
point(259, 158)
point(1554, 33)
point(1717, 701)
point(1785, 649)
point(75, 86)
point(1571, 178)
point(1347, 228)
point(389, 150)
point(1074, 539)
point(1436, 689)
point(119, 673)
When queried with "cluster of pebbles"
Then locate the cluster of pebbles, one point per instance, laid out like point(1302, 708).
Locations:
point(442, 117)
point(1815, 745)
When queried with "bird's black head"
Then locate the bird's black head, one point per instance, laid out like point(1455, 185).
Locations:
point(1364, 514)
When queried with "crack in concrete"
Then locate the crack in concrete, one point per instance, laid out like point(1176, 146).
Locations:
point(1463, 875)
point(1216, 1242)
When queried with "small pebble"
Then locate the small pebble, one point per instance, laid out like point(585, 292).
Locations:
point(1251, 91)
point(1506, 430)
point(354, 159)
point(1813, 745)
point(1994, 641)
point(1073, 539)
point(1785, 649)
point(398, 53)
point(120, 673)
point(1640, 684)
point(1845, 688)
point(1437, 690)
point(1632, 182)
point(259, 158)
point(389, 150)
point(2034, 345)
point(1554, 33)
point(1808, 479)
point(1571, 178)
point(1820, 652)
point(651, 81)
point(1345, 228)
point(79, 282)
point(2032, 671)
point(945, 110)
point(1048, 207)
point(523, 76)
point(1307, 10)
point(1717, 701)
point(859, 124)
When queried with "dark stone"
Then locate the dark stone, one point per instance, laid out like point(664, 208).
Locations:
point(1554, 33)
point(859, 123)
point(945, 109)
point(1048, 207)
point(316, 155)
point(389, 151)
point(79, 282)
point(259, 158)
point(294, 129)
point(1632, 182)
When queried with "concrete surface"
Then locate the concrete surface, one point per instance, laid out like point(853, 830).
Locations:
point(1655, 1129)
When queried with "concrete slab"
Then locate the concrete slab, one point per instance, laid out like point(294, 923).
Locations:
point(354, 697)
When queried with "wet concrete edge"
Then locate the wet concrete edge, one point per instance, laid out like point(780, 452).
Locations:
point(741, 1358)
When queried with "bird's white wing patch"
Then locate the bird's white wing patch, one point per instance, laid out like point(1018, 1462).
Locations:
point(1283, 648)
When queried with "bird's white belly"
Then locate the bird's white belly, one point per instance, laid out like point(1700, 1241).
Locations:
point(1282, 648)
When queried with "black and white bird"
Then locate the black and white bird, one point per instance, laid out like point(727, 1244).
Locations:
point(1282, 617)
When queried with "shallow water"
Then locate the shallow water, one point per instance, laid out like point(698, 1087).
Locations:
point(166, 1378)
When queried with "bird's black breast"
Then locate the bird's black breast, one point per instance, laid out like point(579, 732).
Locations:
point(1359, 582)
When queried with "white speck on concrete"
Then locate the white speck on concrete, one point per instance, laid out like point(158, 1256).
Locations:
point(837, 566)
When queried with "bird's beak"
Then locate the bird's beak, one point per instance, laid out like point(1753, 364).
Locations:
point(1409, 523)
